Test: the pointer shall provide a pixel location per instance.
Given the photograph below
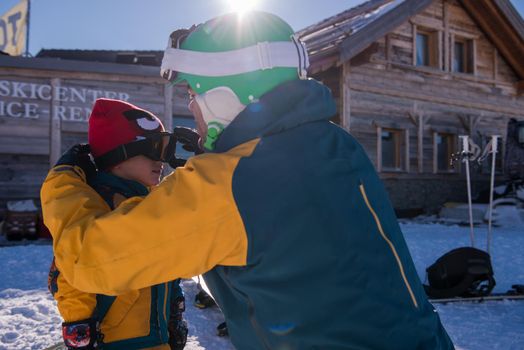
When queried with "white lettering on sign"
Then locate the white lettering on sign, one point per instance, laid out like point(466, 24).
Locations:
point(25, 92)
point(19, 110)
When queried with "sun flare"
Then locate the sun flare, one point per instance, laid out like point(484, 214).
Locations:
point(241, 5)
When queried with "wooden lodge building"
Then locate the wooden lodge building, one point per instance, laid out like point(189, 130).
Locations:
point(409, 76)
point(45, 103)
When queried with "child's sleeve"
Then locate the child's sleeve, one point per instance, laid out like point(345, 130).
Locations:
point(184, 227)
point(73, 304)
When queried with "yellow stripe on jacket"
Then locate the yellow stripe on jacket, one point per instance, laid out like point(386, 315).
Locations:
point(184, 227)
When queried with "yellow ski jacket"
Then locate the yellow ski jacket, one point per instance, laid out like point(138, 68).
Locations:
point(136, 319)
point(93, 261)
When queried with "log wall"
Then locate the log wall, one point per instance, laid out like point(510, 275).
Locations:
point(387, 90)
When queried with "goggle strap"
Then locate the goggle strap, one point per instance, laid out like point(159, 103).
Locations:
point(261, 56)
point(120, 154)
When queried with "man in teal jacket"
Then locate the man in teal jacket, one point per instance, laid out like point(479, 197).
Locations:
point(284, 214)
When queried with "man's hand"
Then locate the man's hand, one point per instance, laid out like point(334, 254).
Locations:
point(190, 141)
point(78, 156)
point(189, 138)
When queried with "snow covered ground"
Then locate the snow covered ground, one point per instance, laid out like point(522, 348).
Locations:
point(29, 320)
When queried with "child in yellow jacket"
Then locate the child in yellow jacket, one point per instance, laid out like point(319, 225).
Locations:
point(127, 144)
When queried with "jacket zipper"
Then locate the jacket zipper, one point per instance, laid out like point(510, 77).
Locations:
point(391, 246)
point(164, 336)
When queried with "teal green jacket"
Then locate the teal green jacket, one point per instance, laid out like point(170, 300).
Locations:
point(328, 267)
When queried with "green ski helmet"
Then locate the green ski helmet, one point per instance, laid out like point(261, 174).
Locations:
point(225, 36)
point(232, 60)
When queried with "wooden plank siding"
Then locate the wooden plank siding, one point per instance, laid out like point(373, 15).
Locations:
point(387, 90)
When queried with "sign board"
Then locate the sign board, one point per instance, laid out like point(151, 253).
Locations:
point(20, 100)
point(13, 29)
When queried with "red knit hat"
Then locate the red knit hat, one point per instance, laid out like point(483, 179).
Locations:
point(113, 123)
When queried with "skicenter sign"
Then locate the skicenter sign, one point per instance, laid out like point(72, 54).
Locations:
point(24, 100)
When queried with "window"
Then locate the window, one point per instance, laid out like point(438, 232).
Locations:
point(520, 132)
point(445, 147)
point(422, 49)
point(463, 57)
point(391, 149)
point(426, 48)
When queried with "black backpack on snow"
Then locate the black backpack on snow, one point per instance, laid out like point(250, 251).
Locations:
point(462, 272)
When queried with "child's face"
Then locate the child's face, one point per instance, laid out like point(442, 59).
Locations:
point(140, 169)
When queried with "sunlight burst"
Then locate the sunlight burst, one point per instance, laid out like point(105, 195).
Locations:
point(241, 5)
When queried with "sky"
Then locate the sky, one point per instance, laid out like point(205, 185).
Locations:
point(146, 24)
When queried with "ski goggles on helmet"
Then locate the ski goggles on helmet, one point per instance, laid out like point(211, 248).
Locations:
point(260, 56)
point(158, 147)
point(174, 42)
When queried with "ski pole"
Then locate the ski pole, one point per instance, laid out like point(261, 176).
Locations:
point(494, 149)
point(466, 154)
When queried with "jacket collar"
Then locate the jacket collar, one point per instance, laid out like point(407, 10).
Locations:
point(127, 188)
point(287, 106)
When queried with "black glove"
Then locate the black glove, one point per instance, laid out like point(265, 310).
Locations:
point(177, 326)
point(78, 155)
point(178, 335)
point(176, 162)
point(81, 335)
point(189, 139)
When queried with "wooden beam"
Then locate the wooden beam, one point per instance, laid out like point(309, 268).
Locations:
point(414, 41)
point(446, 50)
point(379, 149)
point(439, 50)
point(520, 87)
point(435, 153)
point(474, 56)
point(512, 15)
point(55, 124)
point(420, 120)
point(407, 166)
point(168, 117)
point(470, 122)
point(168, 107)
point(451, 57)
point(495, 64)
point(389, 51)
point(508, 39)
point(420, 144)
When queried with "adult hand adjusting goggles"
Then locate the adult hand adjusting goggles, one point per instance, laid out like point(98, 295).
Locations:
point(159, 146)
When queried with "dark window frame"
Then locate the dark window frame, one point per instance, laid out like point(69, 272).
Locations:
point(451, 140)
point(432, 49)
point(400, 151)
point(467, 63)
